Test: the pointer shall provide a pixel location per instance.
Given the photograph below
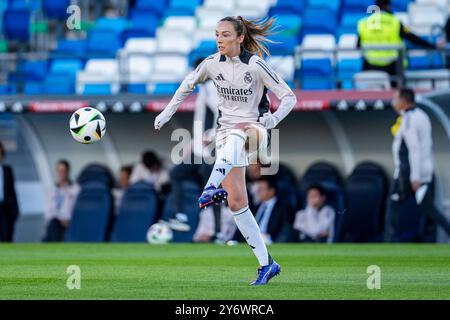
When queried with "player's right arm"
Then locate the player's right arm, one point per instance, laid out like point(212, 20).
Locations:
point(199, 75)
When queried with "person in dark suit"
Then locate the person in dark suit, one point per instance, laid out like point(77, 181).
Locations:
point(271, 214)
point(9, 210)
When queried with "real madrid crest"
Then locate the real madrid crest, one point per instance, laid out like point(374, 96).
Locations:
point(248, 77)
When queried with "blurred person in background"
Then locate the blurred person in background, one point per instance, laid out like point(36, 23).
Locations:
point(206, 230)
point(413, 159)
point(9, 209)
point(271, 214)
point(59, 206)
point(124, 181)
point(315, 223)
point(150, 170)
point(384, 29)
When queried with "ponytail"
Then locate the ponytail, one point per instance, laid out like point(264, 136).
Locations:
point(255, 33)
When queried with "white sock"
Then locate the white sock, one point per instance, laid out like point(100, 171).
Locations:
point(247, 225)
point(227, 157)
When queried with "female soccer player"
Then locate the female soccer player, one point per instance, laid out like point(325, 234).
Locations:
point(241, 78)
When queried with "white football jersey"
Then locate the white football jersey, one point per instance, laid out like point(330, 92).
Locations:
point(241, 83)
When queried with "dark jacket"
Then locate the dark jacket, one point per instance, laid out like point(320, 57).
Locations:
point(9, 205)
point(9, 210)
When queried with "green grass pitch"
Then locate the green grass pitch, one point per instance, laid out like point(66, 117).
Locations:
point(193, 271)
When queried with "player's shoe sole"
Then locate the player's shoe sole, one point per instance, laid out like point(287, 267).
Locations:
point(217, 198)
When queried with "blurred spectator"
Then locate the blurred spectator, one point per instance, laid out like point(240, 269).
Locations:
point(9, 210)
point(413, 159)
point(206, 229)
point(60, 204)
point(124, 181)
point(271, 214)
point(384, 29)
point(315, 223)
point(150, 170)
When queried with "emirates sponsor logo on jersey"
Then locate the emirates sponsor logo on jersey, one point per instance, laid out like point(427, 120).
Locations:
point(233, 94)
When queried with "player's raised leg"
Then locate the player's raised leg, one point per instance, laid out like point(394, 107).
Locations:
point(229, 154)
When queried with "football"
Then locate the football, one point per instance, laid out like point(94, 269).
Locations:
point(87, 125)
point(159, 233)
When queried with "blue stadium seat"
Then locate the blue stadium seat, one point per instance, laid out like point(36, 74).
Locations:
point(321, 67)
point(114, 25)
point(16, 24)
point(282, 45)
point(317, 74)
point(204, 49)
point(55, 9)
point(400, 5)
point(165, 88)
point(155, 6)
point(332, 5)
point(68, 67)
point(32, 70)
point(59, 83)
point(366, 192)
point(349, 22)
point(429, 61)
point(191, 192)
point(289, 25)
point(138, 88)
point(288, 7)
point(136, 214)
point(104, 43)
point(33, 87)
point(33, 5)
point(98, 173)
point(97, 88)
point(320, 83)
point(92, 214)
point(313, 21)
point(182, 7)
point(7, 89)
point(346, 68)
point(356, 5)
point(143, 24)
point(73, 46)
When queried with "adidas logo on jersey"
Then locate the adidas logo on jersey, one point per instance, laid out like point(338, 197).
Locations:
point(221, 170)
point(220, 77)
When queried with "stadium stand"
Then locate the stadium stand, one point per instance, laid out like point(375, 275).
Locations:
point(171, 24)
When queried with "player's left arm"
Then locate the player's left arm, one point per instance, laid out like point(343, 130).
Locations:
point(279, 87)
point(412, 140)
